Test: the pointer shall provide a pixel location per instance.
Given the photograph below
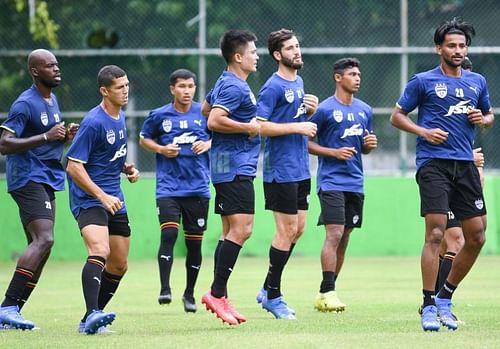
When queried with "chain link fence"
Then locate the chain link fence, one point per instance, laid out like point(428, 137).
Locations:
point(393, 39)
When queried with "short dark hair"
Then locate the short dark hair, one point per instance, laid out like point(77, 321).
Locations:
point(108, 73)
point(275, 40)
point(467, 63)
point(455, 26)
point(233, 41)
point(343, 64)
point(181, 74)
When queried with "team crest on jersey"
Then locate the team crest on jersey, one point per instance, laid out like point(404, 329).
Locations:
point(57, 118)
point(441, 90)
point(289, 95)
point(479, 204)
point(110, 136)
point(201, 222)
point(355, 219)
point(44, 118)
point(252, 98)
point(338, 115)
point(167, 125)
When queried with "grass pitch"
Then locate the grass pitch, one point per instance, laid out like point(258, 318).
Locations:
point(382, 296)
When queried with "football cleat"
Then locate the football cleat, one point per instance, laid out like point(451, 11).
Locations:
point(328, 301)
point(11, 318)
point(189, 304)
point(430, 319)
point(445, 315)
point(220, 307)
point(278, 307)
point(97, 319)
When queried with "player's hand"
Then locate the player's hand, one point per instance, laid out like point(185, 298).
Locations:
point(475, 116)
point(307, 128)
point(71, 131)
point(56, 133)
point(253, 128)
point(200, 147)
point(311, 103)
point(131, 172)
point(345, 153)
point(435, 136)
point(370, 141)
point(478, 157)
point(170, 150)
point(110, 203)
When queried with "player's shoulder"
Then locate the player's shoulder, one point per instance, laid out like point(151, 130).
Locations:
point(361, 104)
point(159, 111)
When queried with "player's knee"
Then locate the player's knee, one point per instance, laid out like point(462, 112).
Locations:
point(477, 240)
point(434, 236)
point(169, 236)
point(45, 243)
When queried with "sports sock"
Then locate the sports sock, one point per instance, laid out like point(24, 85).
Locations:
point(428, 298)
point(15, 291)
point(193, 260)
point(277, 261)
point(109, 284)
point(446, 292)
point(328, 282)
point(91, 281)
point(216, 253)
point(169, 231)
point(228, 254)
point(444, 269)
point(30, 286)
point(292, 246)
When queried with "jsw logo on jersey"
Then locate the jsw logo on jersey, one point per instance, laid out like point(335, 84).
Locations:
point(354, 130)
point(301, 110)
point(460, 108)
point(120, 153)
point(185, 138)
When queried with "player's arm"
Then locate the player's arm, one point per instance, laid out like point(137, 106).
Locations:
point(400, 119)
point(131, 172)
point(479, 162)
point(273, 129)
point(169, 150)
point(219, 121)
point(344, 153)
point(370, 142)
point(205, 108)
point(476, 117)
point(311, 103)
point(10, 144)
point(80, 176)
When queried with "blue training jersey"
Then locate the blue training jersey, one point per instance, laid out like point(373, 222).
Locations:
point(233, 154)
point(187, 174)
point(443, 102)
point(286, 158)
point(32, 115)
point(101, 146)
point(341, 125)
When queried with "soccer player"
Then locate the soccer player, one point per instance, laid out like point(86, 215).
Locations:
point(33, 138)
point(344, 133)
point(282, 111)
point(233, 162)
point(451, 102)
point(95, 161)
point(178, 134)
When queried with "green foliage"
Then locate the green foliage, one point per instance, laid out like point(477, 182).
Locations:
point(41, 26)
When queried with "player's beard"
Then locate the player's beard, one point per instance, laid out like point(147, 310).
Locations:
point(50, 83)
point(290, 64)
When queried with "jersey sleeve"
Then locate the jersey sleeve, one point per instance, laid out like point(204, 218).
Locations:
point(411, 96)
point(483, 102)
point(318, 117)
point(229, 98)
point(81, 147)
point(209, 96)
point(19, 116)
point(369, 117)
point(266, 103)
point(150, 127)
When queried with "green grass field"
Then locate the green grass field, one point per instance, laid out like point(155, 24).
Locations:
point(382, 295)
